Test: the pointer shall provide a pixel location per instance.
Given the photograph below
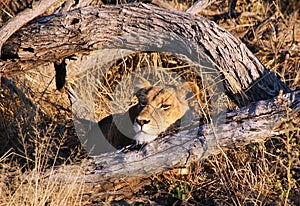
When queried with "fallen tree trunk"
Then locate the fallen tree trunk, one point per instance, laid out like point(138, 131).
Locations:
point(24, 17)
point(258, 122)
point(142, 27)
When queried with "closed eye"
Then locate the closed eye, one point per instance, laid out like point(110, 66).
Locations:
point(165, 106)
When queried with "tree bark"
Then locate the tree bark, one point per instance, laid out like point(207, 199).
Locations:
point(262, 120)
point(23, 18)
point(142, 27)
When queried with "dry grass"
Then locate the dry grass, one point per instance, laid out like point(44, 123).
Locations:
point(38, 138)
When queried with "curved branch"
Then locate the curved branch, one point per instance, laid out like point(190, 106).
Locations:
point(142, 27)
point(10, 27)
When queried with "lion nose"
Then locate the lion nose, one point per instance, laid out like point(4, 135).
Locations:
point(142, 122)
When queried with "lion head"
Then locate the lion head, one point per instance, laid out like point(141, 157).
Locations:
point(158, 107)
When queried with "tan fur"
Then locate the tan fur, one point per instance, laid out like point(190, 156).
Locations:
point(157, 109)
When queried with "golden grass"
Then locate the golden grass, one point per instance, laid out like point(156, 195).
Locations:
point(32, 188)
point(36, 139)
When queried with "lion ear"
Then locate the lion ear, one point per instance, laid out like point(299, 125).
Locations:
point(141, 83)
point(187, 90)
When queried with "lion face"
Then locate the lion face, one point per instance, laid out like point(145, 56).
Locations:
point(157, 109)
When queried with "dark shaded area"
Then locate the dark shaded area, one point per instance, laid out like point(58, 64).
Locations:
point(26, 131)
point(60, 74)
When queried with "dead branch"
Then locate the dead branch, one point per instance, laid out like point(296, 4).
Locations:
point(255, 123)
point(14, 24)
point(199, 6)
point(141, 27)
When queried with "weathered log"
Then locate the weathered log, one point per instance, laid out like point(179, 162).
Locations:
point(24, 17)
point(142, 27)
point(258, 122)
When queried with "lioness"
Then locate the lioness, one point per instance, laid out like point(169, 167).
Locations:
point(157, 109)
